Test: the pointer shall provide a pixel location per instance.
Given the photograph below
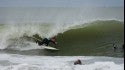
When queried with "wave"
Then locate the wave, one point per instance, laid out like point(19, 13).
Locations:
point(96, 38)
point(84, 36)
point(23, 62)
point(95, 66)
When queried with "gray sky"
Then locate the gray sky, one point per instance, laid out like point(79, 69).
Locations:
point(61, 3)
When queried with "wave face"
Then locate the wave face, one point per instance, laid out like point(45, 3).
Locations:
point(96, 38)
point(79, 29)
point(99, 37)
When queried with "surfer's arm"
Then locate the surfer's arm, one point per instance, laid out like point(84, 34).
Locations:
point(54, 42)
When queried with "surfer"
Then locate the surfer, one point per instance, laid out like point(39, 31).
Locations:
point(114, 47)
point(78, 62)
point(46, 41)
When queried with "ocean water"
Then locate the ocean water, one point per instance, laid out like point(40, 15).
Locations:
point(88, 34)
point(26, 62)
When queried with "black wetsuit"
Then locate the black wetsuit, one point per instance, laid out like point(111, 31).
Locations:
point(45, 42)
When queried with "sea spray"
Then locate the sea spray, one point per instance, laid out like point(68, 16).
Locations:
point(13, 32)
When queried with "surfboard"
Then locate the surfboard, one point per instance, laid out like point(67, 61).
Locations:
point(49, 48)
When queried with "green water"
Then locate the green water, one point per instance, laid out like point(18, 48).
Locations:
point(95, 39)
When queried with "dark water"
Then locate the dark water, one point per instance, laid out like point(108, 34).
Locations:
point(96, 39)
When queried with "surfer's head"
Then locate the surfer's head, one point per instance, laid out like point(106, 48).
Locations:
point(78, 62)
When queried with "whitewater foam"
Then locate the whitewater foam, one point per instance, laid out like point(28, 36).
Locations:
point(24, 62)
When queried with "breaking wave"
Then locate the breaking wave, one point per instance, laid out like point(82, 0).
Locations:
point(13, 35)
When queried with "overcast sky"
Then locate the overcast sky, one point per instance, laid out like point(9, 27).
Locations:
point(61, 3)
